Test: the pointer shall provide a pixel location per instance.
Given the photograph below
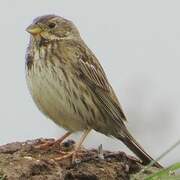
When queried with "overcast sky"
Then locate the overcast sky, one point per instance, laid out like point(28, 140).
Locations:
point(138, 44)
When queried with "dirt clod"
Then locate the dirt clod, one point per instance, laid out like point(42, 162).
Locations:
point(22, 161)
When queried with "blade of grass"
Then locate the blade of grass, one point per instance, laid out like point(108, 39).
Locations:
point(165, 173)
point(160, 157)
point(165, 153)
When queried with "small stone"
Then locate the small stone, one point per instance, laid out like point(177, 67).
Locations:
point(28, 157)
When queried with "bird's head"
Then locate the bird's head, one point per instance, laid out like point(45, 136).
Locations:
point(52, 27)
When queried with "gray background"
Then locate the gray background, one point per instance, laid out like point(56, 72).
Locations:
point(138, 44)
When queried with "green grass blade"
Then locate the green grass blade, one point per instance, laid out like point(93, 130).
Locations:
point(165, 174)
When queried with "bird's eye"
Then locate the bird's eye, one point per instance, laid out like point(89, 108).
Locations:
point(51, 25)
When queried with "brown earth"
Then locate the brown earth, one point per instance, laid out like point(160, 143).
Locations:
point(23, 161)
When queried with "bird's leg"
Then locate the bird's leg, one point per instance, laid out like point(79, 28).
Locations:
point(46, 145)
point(78, 145)
point(76, 149)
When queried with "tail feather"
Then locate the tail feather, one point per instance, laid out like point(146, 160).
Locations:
point(136, 148)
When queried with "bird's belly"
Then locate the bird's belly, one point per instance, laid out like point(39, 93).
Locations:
point(55, 98)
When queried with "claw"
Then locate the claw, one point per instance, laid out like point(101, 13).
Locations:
point(48, 144)
point(45, 145)
point(65, 156)
point(72, 154)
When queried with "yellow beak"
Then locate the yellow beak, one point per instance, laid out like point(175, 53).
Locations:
point(34, 29)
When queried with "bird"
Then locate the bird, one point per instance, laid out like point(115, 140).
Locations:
point(70, 87)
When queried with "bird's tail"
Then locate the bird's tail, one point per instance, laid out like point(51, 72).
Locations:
point(136, 148)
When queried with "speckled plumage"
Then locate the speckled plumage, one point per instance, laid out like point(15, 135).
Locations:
point(69, 85)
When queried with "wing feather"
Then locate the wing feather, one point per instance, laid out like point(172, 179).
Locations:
point(93, 75)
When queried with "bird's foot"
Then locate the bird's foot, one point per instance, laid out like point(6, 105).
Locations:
point(45, 144)
point(48, 144)
point(72, 154)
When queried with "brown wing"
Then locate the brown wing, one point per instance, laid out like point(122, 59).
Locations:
point(93, 75)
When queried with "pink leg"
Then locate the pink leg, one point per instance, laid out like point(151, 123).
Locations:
point(46, 145)
point(78, 145)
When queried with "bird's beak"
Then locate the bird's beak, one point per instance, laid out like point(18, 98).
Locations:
point(34, 29)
